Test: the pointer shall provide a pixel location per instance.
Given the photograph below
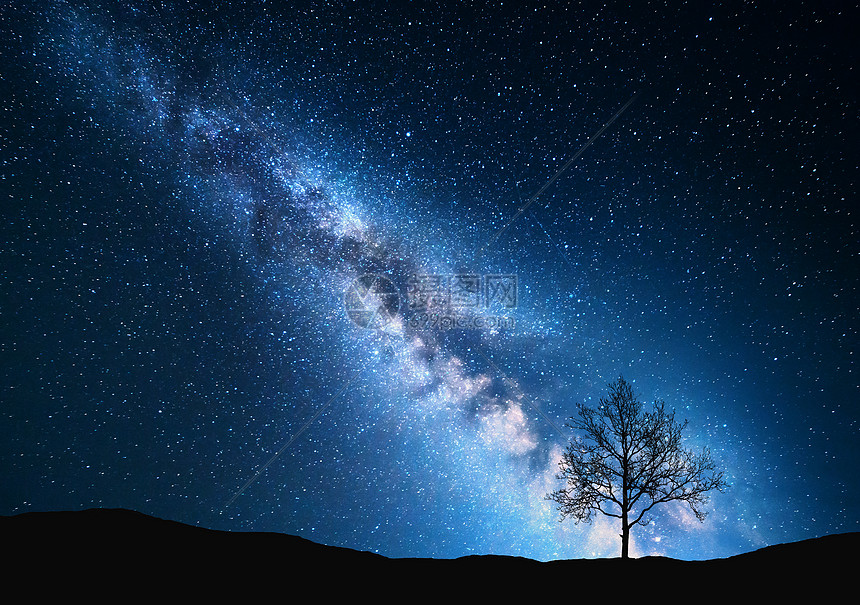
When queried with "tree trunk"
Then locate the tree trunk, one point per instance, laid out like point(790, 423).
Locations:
point(625, 535)
point(625, 501)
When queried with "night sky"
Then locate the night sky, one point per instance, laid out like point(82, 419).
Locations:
point(192, 196)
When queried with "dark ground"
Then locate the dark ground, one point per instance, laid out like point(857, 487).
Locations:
point(121, 554)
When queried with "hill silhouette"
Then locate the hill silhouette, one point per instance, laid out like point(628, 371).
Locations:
point(123, 553)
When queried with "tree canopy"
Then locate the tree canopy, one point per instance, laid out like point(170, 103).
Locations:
point(625, 460)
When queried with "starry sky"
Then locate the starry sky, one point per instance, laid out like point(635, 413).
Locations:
point(194, 196)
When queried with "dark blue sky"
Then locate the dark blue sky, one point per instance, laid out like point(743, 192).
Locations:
point(190, 192)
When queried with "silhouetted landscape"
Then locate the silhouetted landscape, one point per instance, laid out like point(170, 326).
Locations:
point(125, 553)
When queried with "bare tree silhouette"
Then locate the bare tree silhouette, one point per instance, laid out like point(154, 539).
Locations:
point(626, 460)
